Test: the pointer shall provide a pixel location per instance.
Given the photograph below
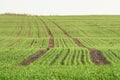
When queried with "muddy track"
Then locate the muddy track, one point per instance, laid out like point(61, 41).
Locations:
point(61, 29)
point(51, 43)
point(51, 40)
point(78, 43)
point(33, 57)
point(96, 55)
point(39, 53)
point(48, 30)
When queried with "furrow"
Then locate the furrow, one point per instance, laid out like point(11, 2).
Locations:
point(96, 55)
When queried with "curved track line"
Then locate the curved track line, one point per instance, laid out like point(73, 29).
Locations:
point(51, 40)
point(35, 56)
point(96, 55)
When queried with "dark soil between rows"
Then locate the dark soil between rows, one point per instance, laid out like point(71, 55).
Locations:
point(47, 28)
point(97, 57)
point(33, 57)
point(51, 43)
point(77, 42)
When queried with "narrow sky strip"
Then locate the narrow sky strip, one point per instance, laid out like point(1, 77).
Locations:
point(61, 7)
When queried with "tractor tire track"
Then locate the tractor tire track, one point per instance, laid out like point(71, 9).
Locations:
point(96, 55)
point(39, 53)
point(51, 40)
point(33, 57)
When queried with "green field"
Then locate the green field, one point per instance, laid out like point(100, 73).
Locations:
point(23, 36)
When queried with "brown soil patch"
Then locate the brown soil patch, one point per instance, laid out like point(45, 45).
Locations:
point(48, 30)
point(51, 43)
point(61, 29)
point(51, 40)
point(97, 57)
point(77, 42)
point(41, 52)
point(33, 57)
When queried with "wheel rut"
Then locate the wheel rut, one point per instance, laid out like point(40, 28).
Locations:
point(33, 57)
point(95, 55)
point(39, 53)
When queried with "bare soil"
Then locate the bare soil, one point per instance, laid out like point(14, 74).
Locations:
point(96, 55)
point(51, 43)
point(61, 29)
point(77, 42)
point(48, 30)
point(33, 57)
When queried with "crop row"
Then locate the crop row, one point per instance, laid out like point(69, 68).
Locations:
point(60, 56)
